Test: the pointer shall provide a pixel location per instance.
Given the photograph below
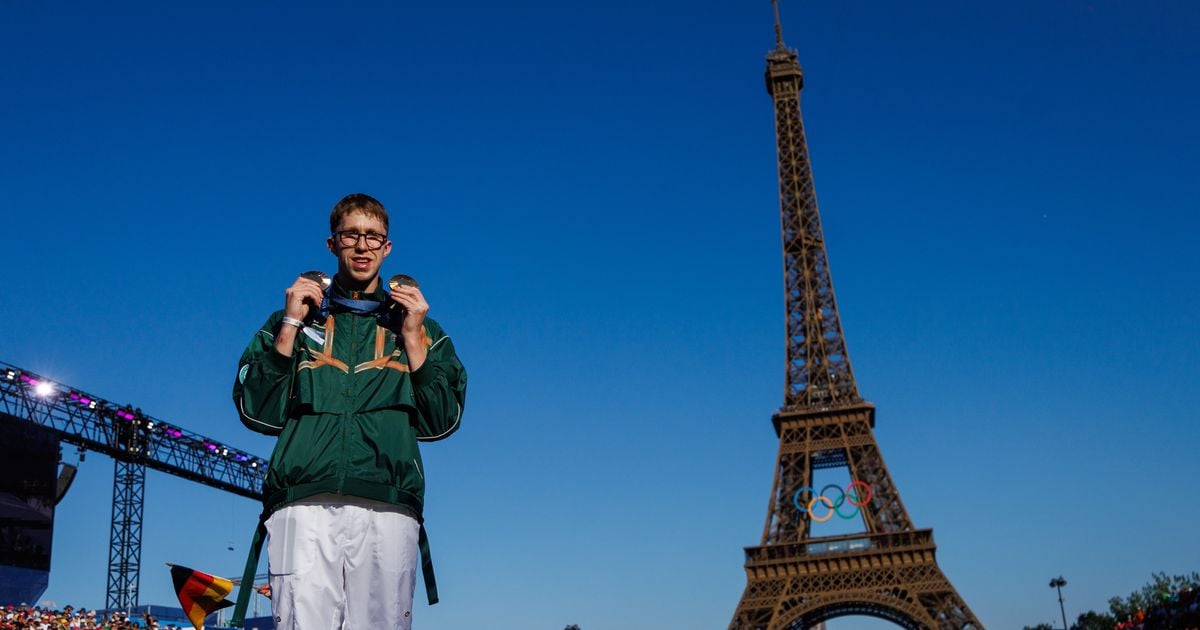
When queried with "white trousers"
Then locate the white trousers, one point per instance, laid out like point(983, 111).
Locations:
point(342, 562)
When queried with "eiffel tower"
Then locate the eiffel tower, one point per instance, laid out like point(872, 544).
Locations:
point(795, 580)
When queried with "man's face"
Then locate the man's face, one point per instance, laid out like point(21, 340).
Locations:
point(360, 244)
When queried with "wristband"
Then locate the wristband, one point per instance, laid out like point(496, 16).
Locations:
point(292, 321)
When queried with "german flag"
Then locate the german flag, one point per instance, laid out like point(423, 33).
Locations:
point(200, 594)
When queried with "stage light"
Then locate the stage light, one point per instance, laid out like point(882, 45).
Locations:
point(224, 451)
point(149, 425)
point(254, 464)
point(43, 388)
point(11, 374)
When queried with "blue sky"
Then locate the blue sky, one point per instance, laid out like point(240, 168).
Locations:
point(587, 193)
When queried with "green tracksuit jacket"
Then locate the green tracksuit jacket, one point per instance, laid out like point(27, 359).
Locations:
point(348, 412)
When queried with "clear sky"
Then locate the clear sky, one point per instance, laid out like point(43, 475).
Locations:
point(587, 193)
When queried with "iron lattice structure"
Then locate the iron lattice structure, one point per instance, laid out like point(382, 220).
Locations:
point(125, 537)
point(135, 441)
point(794, 579)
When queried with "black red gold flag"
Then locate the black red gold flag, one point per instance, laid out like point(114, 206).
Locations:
point(200, 594)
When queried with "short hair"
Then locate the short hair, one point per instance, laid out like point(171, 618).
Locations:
point(357, 202)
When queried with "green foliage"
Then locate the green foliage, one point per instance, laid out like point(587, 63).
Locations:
point(1092, 620)
point(1151, 594)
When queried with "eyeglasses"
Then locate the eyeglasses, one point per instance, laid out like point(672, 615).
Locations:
point(349, 238)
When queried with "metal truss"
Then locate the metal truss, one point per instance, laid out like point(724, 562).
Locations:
point(903, 585)
point(125, 433)
point(135, 441)
point(793, 579)
point(818, 374)
point(125, 538)
point(835, 439)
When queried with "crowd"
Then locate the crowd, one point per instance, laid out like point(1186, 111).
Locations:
point(25, 617)
point(1175, 611)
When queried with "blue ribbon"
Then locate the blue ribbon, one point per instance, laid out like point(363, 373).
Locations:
point(388, 317)
point(358, 307)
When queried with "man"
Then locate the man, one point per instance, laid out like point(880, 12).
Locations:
point(349, 377)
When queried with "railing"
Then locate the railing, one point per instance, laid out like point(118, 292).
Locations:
point(852, 544)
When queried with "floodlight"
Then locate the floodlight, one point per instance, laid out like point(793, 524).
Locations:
point(43, 388)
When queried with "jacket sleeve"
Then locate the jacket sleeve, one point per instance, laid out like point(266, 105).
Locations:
point(440, 390)
point(264, 382)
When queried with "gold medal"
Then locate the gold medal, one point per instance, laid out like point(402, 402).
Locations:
point(401, 280)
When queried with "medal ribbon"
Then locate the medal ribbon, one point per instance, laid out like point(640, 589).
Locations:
point(384, 314)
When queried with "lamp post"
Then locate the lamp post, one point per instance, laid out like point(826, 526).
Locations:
point(1058, 583)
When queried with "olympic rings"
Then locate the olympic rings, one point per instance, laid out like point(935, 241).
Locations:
point(857, 498)
point(828, 504)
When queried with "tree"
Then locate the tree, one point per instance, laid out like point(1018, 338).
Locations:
point(1092, 620)
point(1151, 594)
point(573, 626)
point(1156, 593)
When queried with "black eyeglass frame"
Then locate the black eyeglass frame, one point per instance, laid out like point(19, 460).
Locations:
point(354, 236)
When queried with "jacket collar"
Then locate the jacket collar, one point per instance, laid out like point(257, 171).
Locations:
point(378, 295)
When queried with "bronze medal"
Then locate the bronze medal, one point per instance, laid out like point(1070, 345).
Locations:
point(402, 280)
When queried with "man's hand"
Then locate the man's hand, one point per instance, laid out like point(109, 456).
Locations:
point(299, 300)
point(303, 296)
point(411, 300)
point(412, 330)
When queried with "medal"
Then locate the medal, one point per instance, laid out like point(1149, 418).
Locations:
point(402, 280)
point(319, 277)
point(325, 281)
point(393, 315)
